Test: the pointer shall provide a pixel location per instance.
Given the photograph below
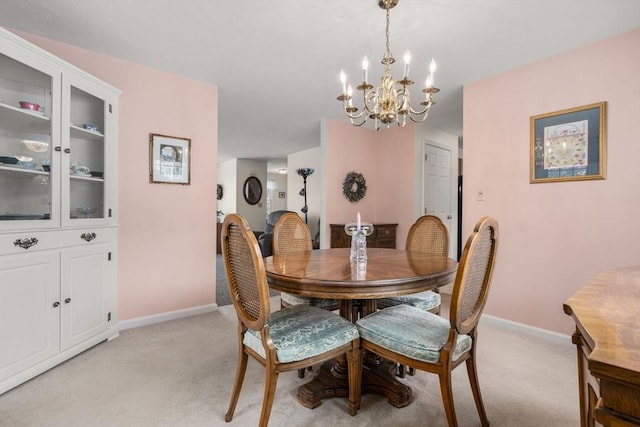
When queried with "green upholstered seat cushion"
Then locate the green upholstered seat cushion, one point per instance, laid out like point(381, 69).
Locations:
point(302, 331)
point(410, 331)
point(427, 300)
point(291, 299)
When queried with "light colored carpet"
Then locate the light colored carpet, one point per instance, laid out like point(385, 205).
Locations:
point(180, 373)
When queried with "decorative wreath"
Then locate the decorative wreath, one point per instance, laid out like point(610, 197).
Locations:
point(219, 192)
point(354, 186)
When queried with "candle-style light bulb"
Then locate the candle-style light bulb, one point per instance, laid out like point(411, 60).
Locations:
point(407, 61)
point(343, 80)
point(365, 68)
point(432, 71)
point(358, 222)
point(428, 82)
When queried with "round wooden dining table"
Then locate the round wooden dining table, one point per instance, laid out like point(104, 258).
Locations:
point(329, 273)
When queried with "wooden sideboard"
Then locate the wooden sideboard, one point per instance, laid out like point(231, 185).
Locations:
point(384, 236)
point(607, 336)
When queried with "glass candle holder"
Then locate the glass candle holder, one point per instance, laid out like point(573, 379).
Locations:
point(358, 270)
point(358, 240)
point(358, 248)
point(352, 228)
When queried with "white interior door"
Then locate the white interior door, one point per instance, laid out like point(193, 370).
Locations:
point(437, 185)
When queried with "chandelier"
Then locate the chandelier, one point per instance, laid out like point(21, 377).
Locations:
point(391, 101)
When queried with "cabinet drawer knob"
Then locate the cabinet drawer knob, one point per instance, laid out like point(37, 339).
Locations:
point(26, 242)
point(88, 236)
point(67, 300)
point(57, 303)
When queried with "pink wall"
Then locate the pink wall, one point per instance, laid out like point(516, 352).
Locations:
point(396, 175)
point(385, 159)
point(554, 236)
point(166, 257)
point(349, 148)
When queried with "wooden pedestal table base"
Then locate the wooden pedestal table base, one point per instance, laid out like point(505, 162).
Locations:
point(378, 377)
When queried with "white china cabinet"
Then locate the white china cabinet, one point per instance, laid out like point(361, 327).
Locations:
point(58, 213)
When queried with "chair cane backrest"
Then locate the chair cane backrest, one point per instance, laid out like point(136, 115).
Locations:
point(428, 235)
point(291, 234)
point(246, 274)
point(473, 278)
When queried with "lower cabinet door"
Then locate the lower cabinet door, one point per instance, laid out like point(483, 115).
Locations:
point(29, 310)
point(83, 293)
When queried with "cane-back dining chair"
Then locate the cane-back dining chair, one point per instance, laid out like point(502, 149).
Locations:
point(427, 235)
point(288, 339)
point(428, 342)
point(291, 234)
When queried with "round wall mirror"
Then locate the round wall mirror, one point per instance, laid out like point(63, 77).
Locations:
point(252, 190)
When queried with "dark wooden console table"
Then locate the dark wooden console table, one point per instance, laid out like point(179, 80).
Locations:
point(606, 312)
point(384, 236)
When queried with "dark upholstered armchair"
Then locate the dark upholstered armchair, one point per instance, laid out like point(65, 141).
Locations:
point(266, 239)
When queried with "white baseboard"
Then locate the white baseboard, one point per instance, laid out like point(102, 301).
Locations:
point(545, 334)
point(163, 317)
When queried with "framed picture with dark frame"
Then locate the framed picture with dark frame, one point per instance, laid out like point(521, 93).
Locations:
point(569, 145)
point(169, 159)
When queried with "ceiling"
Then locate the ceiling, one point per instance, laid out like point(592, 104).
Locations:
point(276, 62)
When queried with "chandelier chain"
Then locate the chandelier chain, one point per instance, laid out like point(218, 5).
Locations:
point(388, 53)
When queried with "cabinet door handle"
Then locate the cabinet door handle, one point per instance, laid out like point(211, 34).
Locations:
point(88, 236)
point(26, 242)
point(57, 303)
point(67, 150)
point(67, 300)
point(58, 148)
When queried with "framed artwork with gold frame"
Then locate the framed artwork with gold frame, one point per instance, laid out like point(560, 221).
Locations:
point(569, 145)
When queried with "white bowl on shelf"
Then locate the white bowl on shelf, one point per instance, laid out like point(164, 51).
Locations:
point(86, 211)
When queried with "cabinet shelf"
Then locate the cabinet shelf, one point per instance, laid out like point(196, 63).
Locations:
point(80, 132)
point(20, 170)
point(86, 178)
point(20, 120)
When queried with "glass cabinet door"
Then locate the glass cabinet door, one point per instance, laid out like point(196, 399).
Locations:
point(29, 123)
point(84, 158)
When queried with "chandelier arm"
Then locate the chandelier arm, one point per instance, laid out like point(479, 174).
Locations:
point(358, 124)
point(413, 112)
point(352, 116)
point(426, 114)
point(415, 115)
point(369, 98)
